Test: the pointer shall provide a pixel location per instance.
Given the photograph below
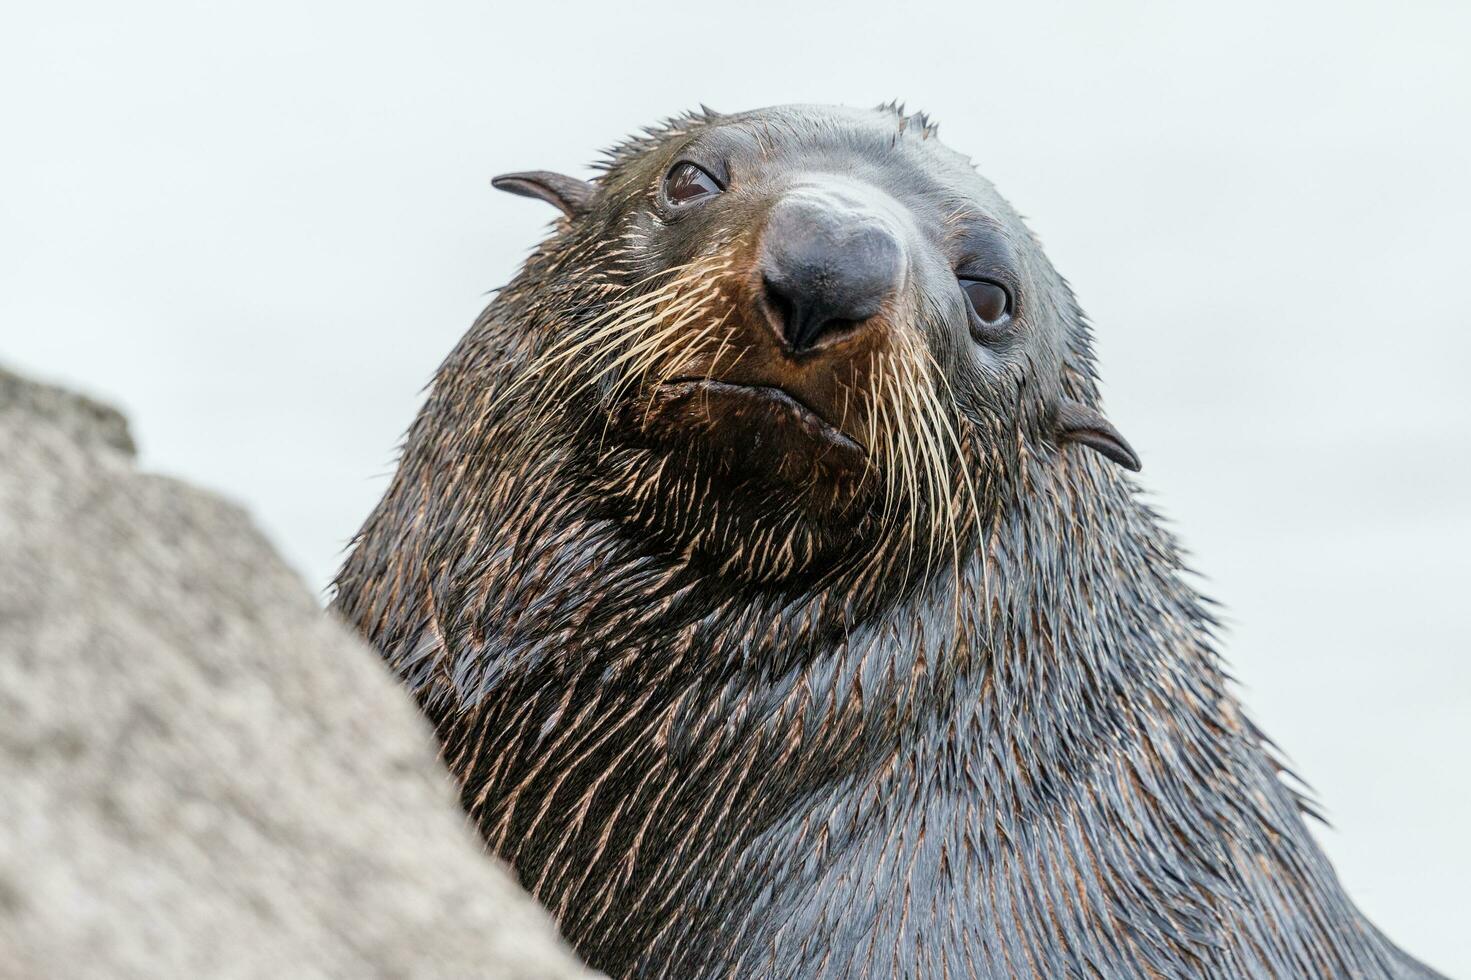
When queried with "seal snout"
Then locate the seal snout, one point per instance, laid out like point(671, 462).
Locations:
point(828, 263)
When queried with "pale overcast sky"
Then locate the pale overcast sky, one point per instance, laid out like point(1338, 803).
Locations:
point(259, 226)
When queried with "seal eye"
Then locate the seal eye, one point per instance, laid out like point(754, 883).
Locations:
point(688, 183)
point(990, 302)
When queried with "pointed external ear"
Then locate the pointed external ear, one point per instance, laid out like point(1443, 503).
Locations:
point(1077, 422)
point(568, 193)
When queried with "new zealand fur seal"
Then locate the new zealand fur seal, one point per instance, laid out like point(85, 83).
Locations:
point(786, 606)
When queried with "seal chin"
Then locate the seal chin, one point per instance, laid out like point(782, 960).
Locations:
point(754, 430)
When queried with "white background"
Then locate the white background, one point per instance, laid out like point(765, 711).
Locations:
point(258, 227)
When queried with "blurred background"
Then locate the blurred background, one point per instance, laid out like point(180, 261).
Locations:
point(259, 227)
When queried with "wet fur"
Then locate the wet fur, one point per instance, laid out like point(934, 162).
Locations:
point(1007, 749)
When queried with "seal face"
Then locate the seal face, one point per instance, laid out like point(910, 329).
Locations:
point(779, 595)
point(819, 335)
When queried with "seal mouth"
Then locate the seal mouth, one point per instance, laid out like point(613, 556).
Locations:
point(764, 402)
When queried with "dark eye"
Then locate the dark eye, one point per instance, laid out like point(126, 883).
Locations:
point(687, 183)
point(991, 303)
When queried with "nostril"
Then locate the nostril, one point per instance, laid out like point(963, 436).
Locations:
point(803, 320)
point(783, 310)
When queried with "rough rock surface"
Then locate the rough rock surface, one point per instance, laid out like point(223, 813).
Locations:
point(201, 774)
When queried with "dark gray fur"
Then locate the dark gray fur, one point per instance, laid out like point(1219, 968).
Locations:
point(784, 773)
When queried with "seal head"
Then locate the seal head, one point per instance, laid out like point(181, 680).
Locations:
point(830, 341)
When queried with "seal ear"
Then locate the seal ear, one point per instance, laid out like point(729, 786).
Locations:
point(568, 193)
point(1077, 422)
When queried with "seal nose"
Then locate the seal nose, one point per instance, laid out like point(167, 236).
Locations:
point(826, 269)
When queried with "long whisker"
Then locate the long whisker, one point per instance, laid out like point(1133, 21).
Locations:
point(964, 467)
point(939, 418)
point(696, 348)
point(931, 465)
point(960, 455)
point(901, 453)
point(599, 328)
point(557, 368)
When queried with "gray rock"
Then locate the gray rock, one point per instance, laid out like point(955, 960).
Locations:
point(201, 774)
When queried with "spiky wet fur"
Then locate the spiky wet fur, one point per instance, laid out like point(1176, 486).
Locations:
point(1002, 745)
